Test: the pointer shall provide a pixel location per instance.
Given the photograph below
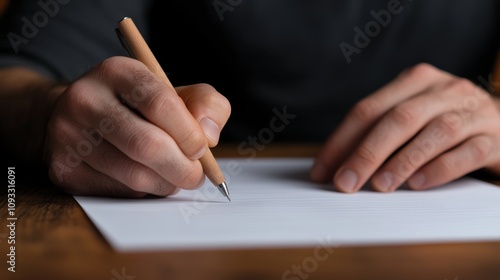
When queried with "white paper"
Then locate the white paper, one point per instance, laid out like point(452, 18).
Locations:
point(275, 205)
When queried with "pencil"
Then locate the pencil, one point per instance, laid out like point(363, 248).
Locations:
point(137, 47)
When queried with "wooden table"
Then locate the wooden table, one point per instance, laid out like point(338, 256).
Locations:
point(56, 240)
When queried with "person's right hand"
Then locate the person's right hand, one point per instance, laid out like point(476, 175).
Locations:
point(120, 131)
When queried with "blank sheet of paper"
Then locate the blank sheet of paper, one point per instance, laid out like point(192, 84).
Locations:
point(275, 205)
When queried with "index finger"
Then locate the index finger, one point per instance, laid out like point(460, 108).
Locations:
point(157, 102)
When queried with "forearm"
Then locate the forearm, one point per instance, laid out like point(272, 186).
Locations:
point(26, 100)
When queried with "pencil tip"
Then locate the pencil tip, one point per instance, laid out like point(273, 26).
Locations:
point(224, 190)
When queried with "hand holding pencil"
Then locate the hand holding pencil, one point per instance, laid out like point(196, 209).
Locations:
point(126, 128)
point(137, 47)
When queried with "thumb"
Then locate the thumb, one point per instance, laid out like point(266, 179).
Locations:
point(210, 108)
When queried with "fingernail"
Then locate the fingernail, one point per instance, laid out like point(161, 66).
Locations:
point(318, 172)
point(417, 181)
point(346, 180)
point(384, 181)
point(211, 129)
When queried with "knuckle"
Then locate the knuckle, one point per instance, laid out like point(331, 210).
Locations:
point(224, 106)
point(462, 85)
point(164, 188)
point(108, 67)
point(144, 145)
point(137, 179)
point(421, 70)
point(117, 66)
point(403, 114)
point(218, 100)
point(193, 142)
point(399, 178)
point(206, 91)
point(145, 87)
point(485, 97)
point(76, 96)
point(112, 67)
point(365, 110)
point(144, 81)
point(395, 179)
point(404, 167)
point(447, 166)
point(450, 124)
point(160, 102)
point(142, 179)
point(209, 101)
point(116, 116)
point(189, 178)
point(366, 155)
point(481, 148)
point(105, 159)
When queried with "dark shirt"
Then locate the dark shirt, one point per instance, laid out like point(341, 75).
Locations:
point(313, 59)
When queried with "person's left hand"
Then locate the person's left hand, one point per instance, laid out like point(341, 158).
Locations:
point(426, 128)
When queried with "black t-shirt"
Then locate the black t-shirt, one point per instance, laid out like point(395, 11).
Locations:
point(313, 59)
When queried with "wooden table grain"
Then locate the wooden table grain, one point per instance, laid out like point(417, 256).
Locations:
point(56, 240)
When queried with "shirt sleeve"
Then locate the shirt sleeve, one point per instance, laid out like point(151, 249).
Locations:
point(62, 39)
